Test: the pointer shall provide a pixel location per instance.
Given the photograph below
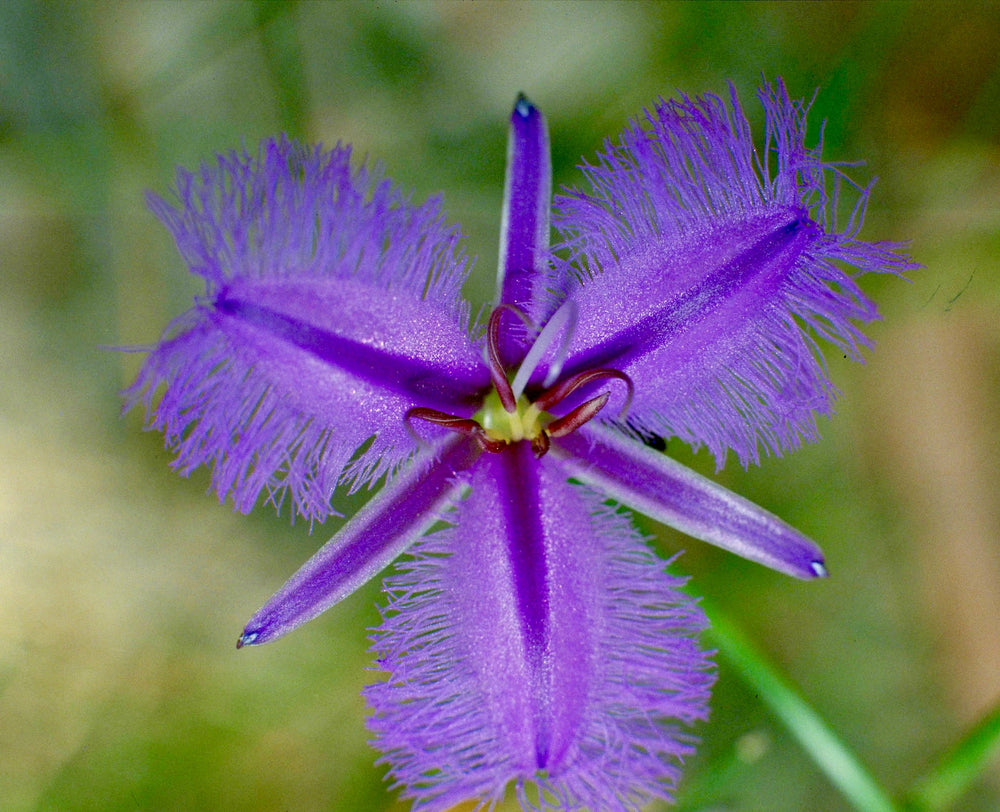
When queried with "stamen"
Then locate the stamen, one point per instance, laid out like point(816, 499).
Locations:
point(571, 421)
point(561, 391)
point(449, 421)
point(493, 446)
point(564, 317)
point(462, 425)
point(540, 444)
point(507, 397)
point(495, 430)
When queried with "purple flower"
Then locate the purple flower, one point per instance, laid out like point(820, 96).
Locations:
point(535, 639)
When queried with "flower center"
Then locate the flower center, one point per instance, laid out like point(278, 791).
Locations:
point(507, 418)
point(526, 422)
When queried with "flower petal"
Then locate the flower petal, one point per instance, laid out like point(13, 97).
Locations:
point(706, 277)
point(537, 641)
point(657, 486)
point(523, 275)
point(376, 535)
point(332, 308)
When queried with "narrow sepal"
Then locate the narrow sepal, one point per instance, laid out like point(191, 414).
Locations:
point(379, 532)
point(524, 277)
point(707, 275)
point(537, 642)
point(665, 490)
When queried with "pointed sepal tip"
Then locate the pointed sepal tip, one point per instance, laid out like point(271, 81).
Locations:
point(523, 106)
point(247, 639)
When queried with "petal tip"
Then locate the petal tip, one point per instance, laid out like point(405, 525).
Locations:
point(247, 639)
point(523, 107)
point(819, 569)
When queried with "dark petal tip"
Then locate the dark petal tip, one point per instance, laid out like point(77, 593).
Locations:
point(523, 107)
point(246, 639)
point(819, 569)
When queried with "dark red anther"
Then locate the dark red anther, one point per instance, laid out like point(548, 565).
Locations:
point(497, 373)
point(555, 394)
point(583, 413)
point(462, 425)
point(540, 444)
point(487, 444)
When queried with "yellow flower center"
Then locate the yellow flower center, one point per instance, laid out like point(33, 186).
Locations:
point(509, 417)
point(526, 422)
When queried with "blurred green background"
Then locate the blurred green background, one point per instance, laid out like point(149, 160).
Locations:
point(123, 587)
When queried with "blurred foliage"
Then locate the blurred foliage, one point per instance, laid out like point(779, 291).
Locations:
point(124, 587)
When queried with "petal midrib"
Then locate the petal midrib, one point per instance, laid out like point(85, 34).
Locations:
point(427, 383)
point(695, 305)
point(530, 571)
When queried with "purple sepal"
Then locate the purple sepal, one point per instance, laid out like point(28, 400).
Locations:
point(707, 275)
point(524, 276)
point(570, 667)
point(376, 535)
point(657, 486)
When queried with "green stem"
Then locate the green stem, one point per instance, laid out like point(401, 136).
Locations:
point(944, 784)
point(831, 755)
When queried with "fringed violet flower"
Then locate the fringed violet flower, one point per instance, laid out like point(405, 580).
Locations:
point(534, 641)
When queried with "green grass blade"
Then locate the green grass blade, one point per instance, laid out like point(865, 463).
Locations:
point(945, 784)
point(831, 755)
